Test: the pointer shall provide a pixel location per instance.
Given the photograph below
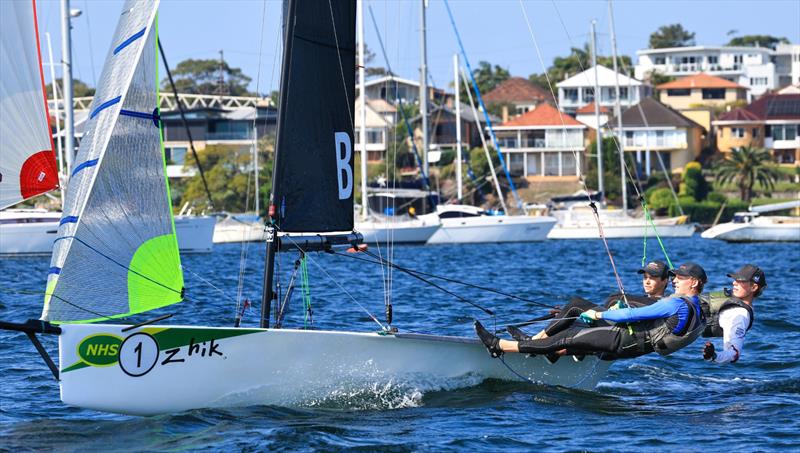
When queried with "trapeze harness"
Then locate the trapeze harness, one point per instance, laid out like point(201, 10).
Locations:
point(713, 305)
point(666, 337)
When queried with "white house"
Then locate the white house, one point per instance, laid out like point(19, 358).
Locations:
point(758, 68)
point(578, 90)
point(391, 89)
point(380, 118)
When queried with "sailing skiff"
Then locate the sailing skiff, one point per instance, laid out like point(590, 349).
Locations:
point(116, 254)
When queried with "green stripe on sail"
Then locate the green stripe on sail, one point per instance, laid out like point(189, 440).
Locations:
point(155, 278)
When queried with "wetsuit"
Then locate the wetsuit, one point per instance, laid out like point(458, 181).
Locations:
point(578, 305)
point(663, 327)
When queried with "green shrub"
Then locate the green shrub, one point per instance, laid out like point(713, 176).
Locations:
point(659, 199)
point(706, 211)
point(717, 197)
point(693, 183)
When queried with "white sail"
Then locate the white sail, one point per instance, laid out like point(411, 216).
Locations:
point(27, 160)
point(116, 252)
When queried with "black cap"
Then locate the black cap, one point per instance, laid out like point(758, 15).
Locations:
point(655, 269)
point(750, 273)
point(691, 270)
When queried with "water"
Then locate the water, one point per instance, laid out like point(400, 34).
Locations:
point(651, 402)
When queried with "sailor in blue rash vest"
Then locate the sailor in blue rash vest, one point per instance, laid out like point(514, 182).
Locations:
point(664, 327)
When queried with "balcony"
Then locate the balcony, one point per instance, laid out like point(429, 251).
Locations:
point(229, 136)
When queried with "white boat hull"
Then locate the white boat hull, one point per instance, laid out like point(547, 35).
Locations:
point(194, 235)
point(235, 231)
point(492, 229)
point(764, 229)
point(399, 230)
point(158, 369)
point(627, 231)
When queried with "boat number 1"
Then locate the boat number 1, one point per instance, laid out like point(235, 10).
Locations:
point(138, 354)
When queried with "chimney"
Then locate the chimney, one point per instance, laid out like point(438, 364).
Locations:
point(505, 113)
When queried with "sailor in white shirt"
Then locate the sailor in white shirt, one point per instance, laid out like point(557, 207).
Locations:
point(731, 317)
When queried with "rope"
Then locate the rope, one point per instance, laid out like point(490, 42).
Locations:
point(211, 285)
point(306, 290)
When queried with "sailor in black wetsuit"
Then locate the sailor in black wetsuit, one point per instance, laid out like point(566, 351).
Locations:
point(664, 327)
point(655, 277)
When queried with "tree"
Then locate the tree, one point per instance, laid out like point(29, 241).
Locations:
point(371, 69)
point(671, 36)
point(487, 77)
point(611, 179)
point(758, 41)
point(693, 183)
point(579, 59)
point(228, 171)
point(202, 77)
point(745, 166)
point(79, 89)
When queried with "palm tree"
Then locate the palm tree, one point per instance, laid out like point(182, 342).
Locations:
point(745, 166)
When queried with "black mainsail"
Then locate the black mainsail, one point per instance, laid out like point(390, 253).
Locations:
point(312, 189)
point(313, 177)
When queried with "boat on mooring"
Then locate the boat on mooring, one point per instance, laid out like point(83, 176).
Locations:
point(752, 226)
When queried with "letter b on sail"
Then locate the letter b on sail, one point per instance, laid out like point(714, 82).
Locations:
point(344, 171)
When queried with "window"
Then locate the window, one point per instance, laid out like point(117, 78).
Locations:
point(713, 93)
point(737, 59)
point(790, 132)
point(623, 93)
point(755, 132)
point(534, 164)
point(568, 164)
point(374, 136)
point(660, 60)
point(777, 133)
point(571, 94)
point(678, 92)
point(713, 59)
point(516, 163)
point(551, 164)
point(737, 132)
point(588, 95)
point(175, 155)
point(754, 81)
point(659, 138)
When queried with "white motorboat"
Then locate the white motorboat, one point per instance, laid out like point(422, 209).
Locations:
point(469, 224)
point(578, 222)
point(239, 228)
point(399, 216)
point(32, 232)
point(753, 227)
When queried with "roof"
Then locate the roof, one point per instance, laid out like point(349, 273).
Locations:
point(739, 114)
point(589, 109)
point(543, 115)
point(390, 78)
point(436, 111)
point(700, 80)
point(653, 114)
point(380, 106)
point(790, 89)
point(744, 49)
point(605, 78)
point(776, 107)
point(515, 90)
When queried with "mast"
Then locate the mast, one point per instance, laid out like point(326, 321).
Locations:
point(618, 113)
point(62, 174)
point(597, 97)
point(423, 87)
point(457, 85)
point(362, 105)
point(66, 60)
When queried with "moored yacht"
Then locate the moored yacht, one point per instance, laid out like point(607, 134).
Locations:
point(753, 227)
point(470, 224)
point(578, 222)
point(399, 216)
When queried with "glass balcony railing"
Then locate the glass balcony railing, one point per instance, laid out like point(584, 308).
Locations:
point(229, 135)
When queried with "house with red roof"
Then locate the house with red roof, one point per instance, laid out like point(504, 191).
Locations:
point(772, 122)
point(700, 90)
point(586, 115)
point(516, 96)
point(543, 143)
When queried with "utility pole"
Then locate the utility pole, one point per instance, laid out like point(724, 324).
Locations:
point(66, 61)
point(618, 113)
point(597, 97)
point(423, 88)
point(221, 88)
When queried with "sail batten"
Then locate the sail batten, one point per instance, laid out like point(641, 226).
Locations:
point(27, 157)
point(116, 250)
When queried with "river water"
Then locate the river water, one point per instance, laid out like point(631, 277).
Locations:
point(652, 402)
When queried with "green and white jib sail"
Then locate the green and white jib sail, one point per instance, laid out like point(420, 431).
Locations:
point(116, 252)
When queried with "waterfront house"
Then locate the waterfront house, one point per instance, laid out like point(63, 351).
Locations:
point(543, 144)
point(516, 96)
point(700, 90)
point(772, 122)
point(759, 69)
point(654, 130)
point(393, 89)
point(578, 91)
point(380, 119)
point(586, 116)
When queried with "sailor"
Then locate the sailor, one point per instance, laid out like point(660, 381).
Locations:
point(730, 317)
point(664, 327)
point(655, 277)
